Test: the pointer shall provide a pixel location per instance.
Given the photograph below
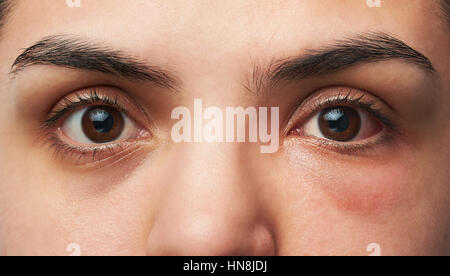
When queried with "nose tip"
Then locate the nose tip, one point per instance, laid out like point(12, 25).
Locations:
point(207, 236)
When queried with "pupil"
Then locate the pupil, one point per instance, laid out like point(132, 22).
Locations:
point(337, 119)
point(103, 121)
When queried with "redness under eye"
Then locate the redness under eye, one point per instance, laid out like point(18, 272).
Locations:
point(360, 186)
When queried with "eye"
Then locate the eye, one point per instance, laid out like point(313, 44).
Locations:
point(342, 124)
point(99, 125)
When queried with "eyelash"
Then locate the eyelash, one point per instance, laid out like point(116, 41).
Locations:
point(352, 101)
point(68, 106)
point(368, 148)
point(92, 98)
point(349, 148)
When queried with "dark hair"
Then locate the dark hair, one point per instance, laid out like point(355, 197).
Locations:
point(4, 7)
point(445, 5)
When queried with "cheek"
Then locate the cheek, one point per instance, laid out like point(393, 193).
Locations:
point(356, 184)
point(368, 189)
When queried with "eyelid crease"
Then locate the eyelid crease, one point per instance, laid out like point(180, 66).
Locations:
point(351, 97)
point(80, 154)
point(67, 105)
point(88, 156)
point(357, 101)
point(107, 96)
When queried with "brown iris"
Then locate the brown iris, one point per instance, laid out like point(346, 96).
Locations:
point(102, 124)
point(339, 123)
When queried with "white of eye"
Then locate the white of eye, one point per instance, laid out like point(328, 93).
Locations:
point(72, 127)
point(312, 128)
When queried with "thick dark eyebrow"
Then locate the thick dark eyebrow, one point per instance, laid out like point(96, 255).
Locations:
point(364, 48)
point(79, 53)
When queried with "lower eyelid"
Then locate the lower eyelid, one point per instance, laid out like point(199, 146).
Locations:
point(88, 156)
point(365, 147)
point(376, 146)
point(83, 151)
point(130, 131)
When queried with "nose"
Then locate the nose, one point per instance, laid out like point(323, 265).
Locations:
point(210, 206)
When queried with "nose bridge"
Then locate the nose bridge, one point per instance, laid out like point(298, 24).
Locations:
point(209, 207)
point(207, 173)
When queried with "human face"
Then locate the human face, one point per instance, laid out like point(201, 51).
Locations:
point(330, 67)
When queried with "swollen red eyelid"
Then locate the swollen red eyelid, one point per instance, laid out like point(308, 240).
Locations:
point(355, 185)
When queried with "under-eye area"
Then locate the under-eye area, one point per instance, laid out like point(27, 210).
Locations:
point(217, 128)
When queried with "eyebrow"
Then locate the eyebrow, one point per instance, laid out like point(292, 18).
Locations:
point(79, 53)
point(5, 6)
point(364, 48)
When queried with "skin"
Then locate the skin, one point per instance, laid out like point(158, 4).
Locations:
point(227, 198)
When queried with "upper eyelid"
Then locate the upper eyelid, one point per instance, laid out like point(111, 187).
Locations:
point(367, 106)
point(321, 98)
point(101, 95)
point(81, 101)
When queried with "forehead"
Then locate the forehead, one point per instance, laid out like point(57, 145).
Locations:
point(174, 31)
